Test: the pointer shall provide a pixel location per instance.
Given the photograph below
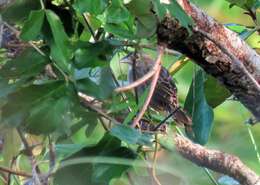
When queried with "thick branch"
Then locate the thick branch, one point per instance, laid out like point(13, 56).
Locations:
point(241, 79)
point(216, 161)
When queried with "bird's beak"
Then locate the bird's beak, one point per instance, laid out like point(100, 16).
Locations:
point(126, 60)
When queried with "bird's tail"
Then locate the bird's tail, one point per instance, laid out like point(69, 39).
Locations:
point(183, 119)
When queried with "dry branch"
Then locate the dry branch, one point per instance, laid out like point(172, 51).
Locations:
point(217, 161)
point(241, 79)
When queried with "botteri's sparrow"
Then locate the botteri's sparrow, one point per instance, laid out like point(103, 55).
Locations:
point(165, 93)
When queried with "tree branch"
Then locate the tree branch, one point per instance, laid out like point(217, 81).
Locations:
point(226, 57)
point(217, 161)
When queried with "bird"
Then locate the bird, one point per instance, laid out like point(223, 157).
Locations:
point(165, 94)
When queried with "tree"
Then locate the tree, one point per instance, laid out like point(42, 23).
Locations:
point(62, 97)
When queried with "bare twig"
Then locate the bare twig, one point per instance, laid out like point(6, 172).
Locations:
point(138, 82)
point(154, 162)
point(157, 68)
point(19, 173)
point(217, 161)
point(86, 103)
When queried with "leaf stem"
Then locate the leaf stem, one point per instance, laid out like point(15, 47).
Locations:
point(42, 4)
point(253, 142)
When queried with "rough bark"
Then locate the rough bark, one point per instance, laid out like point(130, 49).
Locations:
point(211, 56)
point(217, 161)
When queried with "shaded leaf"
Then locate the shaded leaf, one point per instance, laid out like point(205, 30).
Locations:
point(116, 13)
point(20, 102)
point(12, 144)
point(95, 173)
point(48, 115)
point(60, 46)
point(160, 9)
point(139, 7)
point(98, 83)
point(94, 54)
point(197, 106)
point(32, 27)
point(146, 25)
point(28, 64)
point(131, 135)
point(64, 151)
point(215, 92)
point(20, 10)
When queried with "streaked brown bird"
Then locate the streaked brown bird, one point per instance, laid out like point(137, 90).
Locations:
point(165, 93)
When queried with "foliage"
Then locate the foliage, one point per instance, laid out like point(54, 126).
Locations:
point(76, 44)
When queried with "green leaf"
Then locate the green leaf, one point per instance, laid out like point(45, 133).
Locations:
point(120, 30)
point(245, 4)
point(20, 10)
point(28, 64)
point(131, 135)
point(215, 92)
point(60, 46)
point(146, 25)
point(20, 102)
point(98, 83)
point(197, 106)
point(64, 151)
point(139, 7)
point(48, 115)
point(32, 27)
point(160, 9)
point(176, 11)
point(12, 144)
point(94, 7)
point(116, 13)
point(94, 54)
point(103, 173)
point(97, 173)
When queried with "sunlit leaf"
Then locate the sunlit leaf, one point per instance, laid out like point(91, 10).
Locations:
point(245, 4)
point(116, 13)
point(33, 25)
point(94, 7)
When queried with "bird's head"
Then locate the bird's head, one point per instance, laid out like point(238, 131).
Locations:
point(141, 59)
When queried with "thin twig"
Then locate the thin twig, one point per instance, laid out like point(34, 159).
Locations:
point(89, 27)
point(19, 173)
point(154, 162)
point(18, 33)
point(96, 109)
point(157, 68)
